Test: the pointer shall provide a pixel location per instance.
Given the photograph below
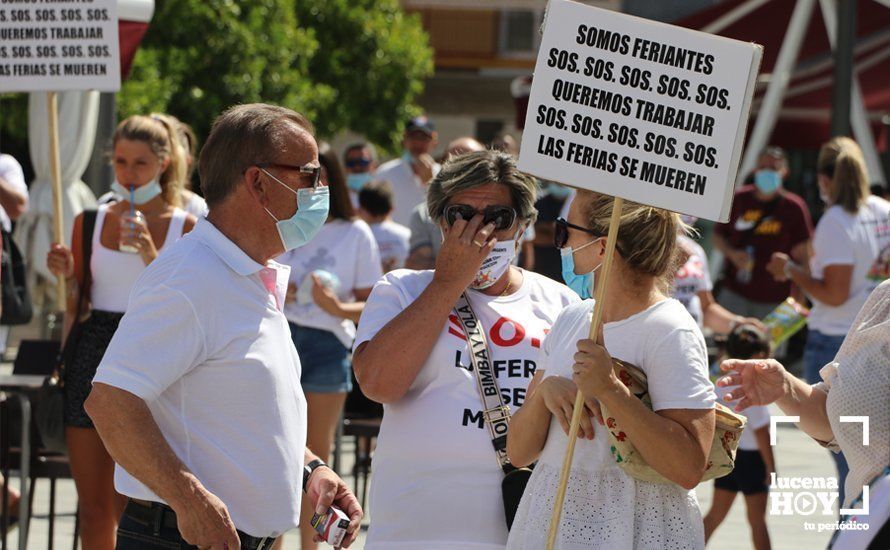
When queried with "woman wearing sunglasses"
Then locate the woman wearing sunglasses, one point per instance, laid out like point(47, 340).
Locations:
point(604, 507)
point(437, 478)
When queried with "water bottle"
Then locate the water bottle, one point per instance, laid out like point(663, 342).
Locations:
point(743, 275)
point(128, 223)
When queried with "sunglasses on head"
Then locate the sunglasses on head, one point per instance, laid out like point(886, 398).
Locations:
point(502, 217)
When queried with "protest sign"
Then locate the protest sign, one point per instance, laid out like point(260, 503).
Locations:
point(637, 109)
point(58, 46)
point(53, 46)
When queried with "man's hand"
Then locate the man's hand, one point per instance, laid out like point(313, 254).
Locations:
point(205, 523)
point(326, 489)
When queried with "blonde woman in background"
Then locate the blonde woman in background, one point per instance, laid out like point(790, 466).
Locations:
point(851, 256)
point(192, 202)
point(145, 159)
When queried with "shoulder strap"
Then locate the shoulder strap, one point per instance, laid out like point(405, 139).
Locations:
point(88, 226)
point(495, 413)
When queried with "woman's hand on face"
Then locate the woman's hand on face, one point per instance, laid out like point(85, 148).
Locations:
point(60, 261)
point(324, 297)
point(559, 395)
point(759, 381)
point(776, 266)
point(465, 245)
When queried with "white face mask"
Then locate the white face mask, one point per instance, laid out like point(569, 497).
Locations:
point(495, 265)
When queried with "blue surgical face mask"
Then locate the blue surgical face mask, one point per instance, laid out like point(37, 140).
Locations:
point(407, 156)
point(767, 181)
point(312, 212)
point(357, 181)
point(141, 194)
point(581, 284)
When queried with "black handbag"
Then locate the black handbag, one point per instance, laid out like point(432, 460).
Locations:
point(50, 414)
point(496, 414)
point(16, 301)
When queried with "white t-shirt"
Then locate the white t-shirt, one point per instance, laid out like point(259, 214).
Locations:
point(758, 417)
point(408, 191)
point(392, 240)
point(437, 482)
point(692, 278)
point(11, 171)
point(204, 344)
point(861, 240)
point(346, 249)
point(604, 507)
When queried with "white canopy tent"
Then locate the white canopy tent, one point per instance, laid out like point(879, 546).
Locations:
point(78, 117)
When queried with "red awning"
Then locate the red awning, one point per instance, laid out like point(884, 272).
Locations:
point(133, 19)
point(806, 108)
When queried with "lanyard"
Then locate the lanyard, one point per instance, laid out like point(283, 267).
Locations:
point(495, 413)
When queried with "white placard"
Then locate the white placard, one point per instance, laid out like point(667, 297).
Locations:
point(59, 45)
point(637, 109)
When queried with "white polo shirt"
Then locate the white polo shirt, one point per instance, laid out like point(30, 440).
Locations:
point(204, 344)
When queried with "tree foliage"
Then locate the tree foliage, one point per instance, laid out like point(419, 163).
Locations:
point(373, 57)
point(345, 64)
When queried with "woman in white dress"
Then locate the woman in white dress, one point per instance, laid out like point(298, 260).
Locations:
point(605, 507)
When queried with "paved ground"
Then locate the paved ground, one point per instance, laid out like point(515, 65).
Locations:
point(796, 455)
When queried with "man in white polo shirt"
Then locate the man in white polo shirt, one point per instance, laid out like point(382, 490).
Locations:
point(198, 396)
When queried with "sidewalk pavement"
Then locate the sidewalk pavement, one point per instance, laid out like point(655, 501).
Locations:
point(796, 455)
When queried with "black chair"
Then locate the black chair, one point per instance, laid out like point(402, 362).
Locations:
point(39, 357)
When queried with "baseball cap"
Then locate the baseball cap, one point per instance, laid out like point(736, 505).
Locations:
point(421, 123)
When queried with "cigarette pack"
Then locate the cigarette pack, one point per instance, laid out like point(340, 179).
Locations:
point(332, 525)
point(784, 321)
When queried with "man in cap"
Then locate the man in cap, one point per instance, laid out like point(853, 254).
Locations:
point(410, 173)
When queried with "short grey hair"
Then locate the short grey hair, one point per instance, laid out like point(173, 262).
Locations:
point(243, 136)
point(479, 168)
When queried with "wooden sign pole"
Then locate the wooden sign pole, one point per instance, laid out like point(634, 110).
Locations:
point(52, 108)
point(614, 223)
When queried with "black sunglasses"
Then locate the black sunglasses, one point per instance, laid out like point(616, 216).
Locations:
point(306, 170)
point(357, 163)
point(561, 234)
point(502, 217)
